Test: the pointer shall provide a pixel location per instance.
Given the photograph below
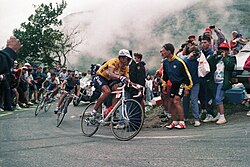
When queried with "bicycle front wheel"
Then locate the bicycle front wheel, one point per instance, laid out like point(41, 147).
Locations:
point(61, 113)
point(89, 125)
point(127, 120)
point(39, 106)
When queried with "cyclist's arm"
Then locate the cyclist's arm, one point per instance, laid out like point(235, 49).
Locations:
point(44, 83)
point(112, 75)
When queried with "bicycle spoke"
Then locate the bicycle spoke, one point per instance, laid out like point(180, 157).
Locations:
point(129, 121)
point(89, 125)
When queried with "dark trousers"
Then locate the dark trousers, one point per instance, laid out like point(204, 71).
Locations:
point(6, 93)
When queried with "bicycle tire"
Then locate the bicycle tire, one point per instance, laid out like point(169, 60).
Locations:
point(132, 124)
point(38, 107)
point(88, 128)
point(48, 104)
point(61, 115)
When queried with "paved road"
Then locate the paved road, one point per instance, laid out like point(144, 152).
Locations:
point(28, 141)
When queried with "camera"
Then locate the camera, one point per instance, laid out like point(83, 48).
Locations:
point(92, 66)
point(219, 52)
point(189, 41)
point(200, 38)
point(183, 45)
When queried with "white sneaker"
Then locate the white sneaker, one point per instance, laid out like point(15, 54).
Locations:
point(216, 118)
point(197, 123)
point(119, 126)
point(18, 107)
point(208, 118)
point(221, 121)
point(248, 113)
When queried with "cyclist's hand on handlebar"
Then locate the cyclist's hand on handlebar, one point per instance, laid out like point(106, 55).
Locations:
point(124, 79)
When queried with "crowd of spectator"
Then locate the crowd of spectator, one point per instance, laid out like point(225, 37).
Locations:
point(19, 86)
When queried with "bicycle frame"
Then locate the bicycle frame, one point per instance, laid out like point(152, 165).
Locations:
point(121, 100)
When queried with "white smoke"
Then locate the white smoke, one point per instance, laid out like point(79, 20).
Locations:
point(128, 22)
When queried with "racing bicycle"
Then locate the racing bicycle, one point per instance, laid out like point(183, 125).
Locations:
point(126, 118)
point(45, 102)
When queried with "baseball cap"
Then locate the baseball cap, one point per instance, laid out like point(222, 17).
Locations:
point(124, 52)
point(208, 29)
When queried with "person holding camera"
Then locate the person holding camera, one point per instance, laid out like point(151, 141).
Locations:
point(192, 64)
point(214, 42)
point(188, 44)
point(221, 68)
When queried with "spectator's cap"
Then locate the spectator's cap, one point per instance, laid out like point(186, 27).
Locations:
point(208, 30)
point(234, 32)
point(238, 35)
point(15, 62)
point(191, 37)
point(35, 66)
point(224, 46)
point(124, 53)
point(24, 68)
point(27, 65)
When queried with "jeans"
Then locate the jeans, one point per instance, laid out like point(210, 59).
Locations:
point(193, 96)
point(148, 94)
point(219, 94)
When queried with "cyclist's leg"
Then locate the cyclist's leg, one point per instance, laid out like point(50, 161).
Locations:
point(102, 85)
point(60, 102)
point(105, 93)
point(71, 97)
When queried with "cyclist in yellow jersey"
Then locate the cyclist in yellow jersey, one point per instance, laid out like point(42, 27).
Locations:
point(114, 70)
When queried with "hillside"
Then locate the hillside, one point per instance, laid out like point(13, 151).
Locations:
point(104, 42)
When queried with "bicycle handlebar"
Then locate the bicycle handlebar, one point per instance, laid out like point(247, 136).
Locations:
point(140, 88)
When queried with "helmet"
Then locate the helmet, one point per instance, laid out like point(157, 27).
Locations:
point(224, 45)
point(125, 52)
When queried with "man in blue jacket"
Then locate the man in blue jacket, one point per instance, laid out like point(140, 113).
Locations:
point(175, 70)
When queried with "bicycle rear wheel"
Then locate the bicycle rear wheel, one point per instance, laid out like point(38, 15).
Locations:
point(39, 106)
point(89, 125)
point(127, 120)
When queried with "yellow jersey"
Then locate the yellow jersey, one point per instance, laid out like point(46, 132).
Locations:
point(115, 64)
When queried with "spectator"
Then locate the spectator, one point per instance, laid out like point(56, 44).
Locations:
point(7, 57)
point(214, 42)
point(203, 93)
point(239, 42)
point(175, 70)
point(232, 44)
point(137, 74)
point(221, 67)
point(149, 88)
point(192, 64)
